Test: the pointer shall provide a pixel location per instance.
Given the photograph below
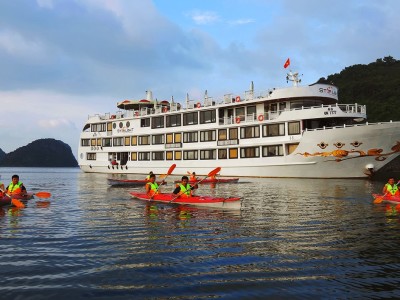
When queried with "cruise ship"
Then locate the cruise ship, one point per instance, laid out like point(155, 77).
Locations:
point(299, 131)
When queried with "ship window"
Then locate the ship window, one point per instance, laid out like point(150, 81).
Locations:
point(101, 127)
point(157, 122)
point(190, 155)
point(109, 126)
point(250, 132)
point(222, 154)
point(173, 120)
point(144, 140)
point(274, 130)
point(207, 116)
point(251, 110)
point(293, 128)
point(134, 140)
point(121, 124)
point(157, 155)
point(240, 113)
point(233, 153)
point(127, 141)
point(273, 150)
point(145, 122)
point(85, 142)
point(128, 124)
point(114, 125)
point(133, 155)
point(249, 152)
point(208, 154)
point(144, 156)
point(93, 142)
point(98, 142)
point(91, 156)
point(158, 139)
point(169, 155)
point(118, 141)
point(222, 135)
point(107, 142)
point(178, 137)
point(233, 134)
point(206, 136)
point(291, 148)
point(178, 155)
point(190, 118)
point(169, 138)
point(86, 127)
point(190, 137)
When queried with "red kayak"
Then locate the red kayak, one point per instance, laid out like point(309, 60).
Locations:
point(206, 201)
point(130, 182)
point(213, 180)
point(6, 200)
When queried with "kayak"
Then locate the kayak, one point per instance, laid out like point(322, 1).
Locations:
point(206, 201)
point(213, 180)
point(387, 198)
point(130, 182)
point(6, 200)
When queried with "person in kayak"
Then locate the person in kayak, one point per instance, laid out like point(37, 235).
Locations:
point(16, 187)
point(152, 186)
point(391, 188)
point(193, 176)
point(1, 189)
point(184, 189)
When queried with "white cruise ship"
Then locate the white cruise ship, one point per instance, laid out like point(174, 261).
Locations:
point(297, 131)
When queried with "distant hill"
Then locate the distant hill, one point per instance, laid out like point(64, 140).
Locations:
point(376, 85)
point(2, 154)
point(41, 153)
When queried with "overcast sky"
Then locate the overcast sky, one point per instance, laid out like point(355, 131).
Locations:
point(63, 60)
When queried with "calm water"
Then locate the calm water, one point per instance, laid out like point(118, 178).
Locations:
point(292, 239)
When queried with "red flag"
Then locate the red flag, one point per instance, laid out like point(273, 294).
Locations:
point(287, 63)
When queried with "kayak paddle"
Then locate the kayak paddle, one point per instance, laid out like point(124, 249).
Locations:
point(17, 203)
point(43, 194)
point(212, 173)
point(170, 170)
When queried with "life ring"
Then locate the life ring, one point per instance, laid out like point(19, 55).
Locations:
point(165, 109)
point(237, 120)
point(261, 118)
point(112, 116)
point(198, 105)
point(136, 113)
point(237, 98)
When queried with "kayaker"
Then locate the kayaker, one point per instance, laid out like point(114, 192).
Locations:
point(152, 185)
point(1, 189)
point(16, 187)
point(391, 188)
point(148, 176)
point(193, 176)
point(184, 189)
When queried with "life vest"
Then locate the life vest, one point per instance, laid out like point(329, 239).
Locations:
point(153, 188)
point(392, 189)
point(15, 189)
point(186, 191)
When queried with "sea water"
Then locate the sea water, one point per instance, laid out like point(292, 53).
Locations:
point(293, 238)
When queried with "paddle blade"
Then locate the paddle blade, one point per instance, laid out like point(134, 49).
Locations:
point(214, 172)
point(43, 194)
point(378, 200)
point(171, 169)
point(17, 203)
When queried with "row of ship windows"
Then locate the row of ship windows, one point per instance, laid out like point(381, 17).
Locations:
point(208, 154)
point(193, 136)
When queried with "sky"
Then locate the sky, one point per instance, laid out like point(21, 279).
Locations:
point(64, 60)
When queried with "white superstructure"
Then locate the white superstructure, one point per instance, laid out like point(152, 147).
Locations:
point(298, 131)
